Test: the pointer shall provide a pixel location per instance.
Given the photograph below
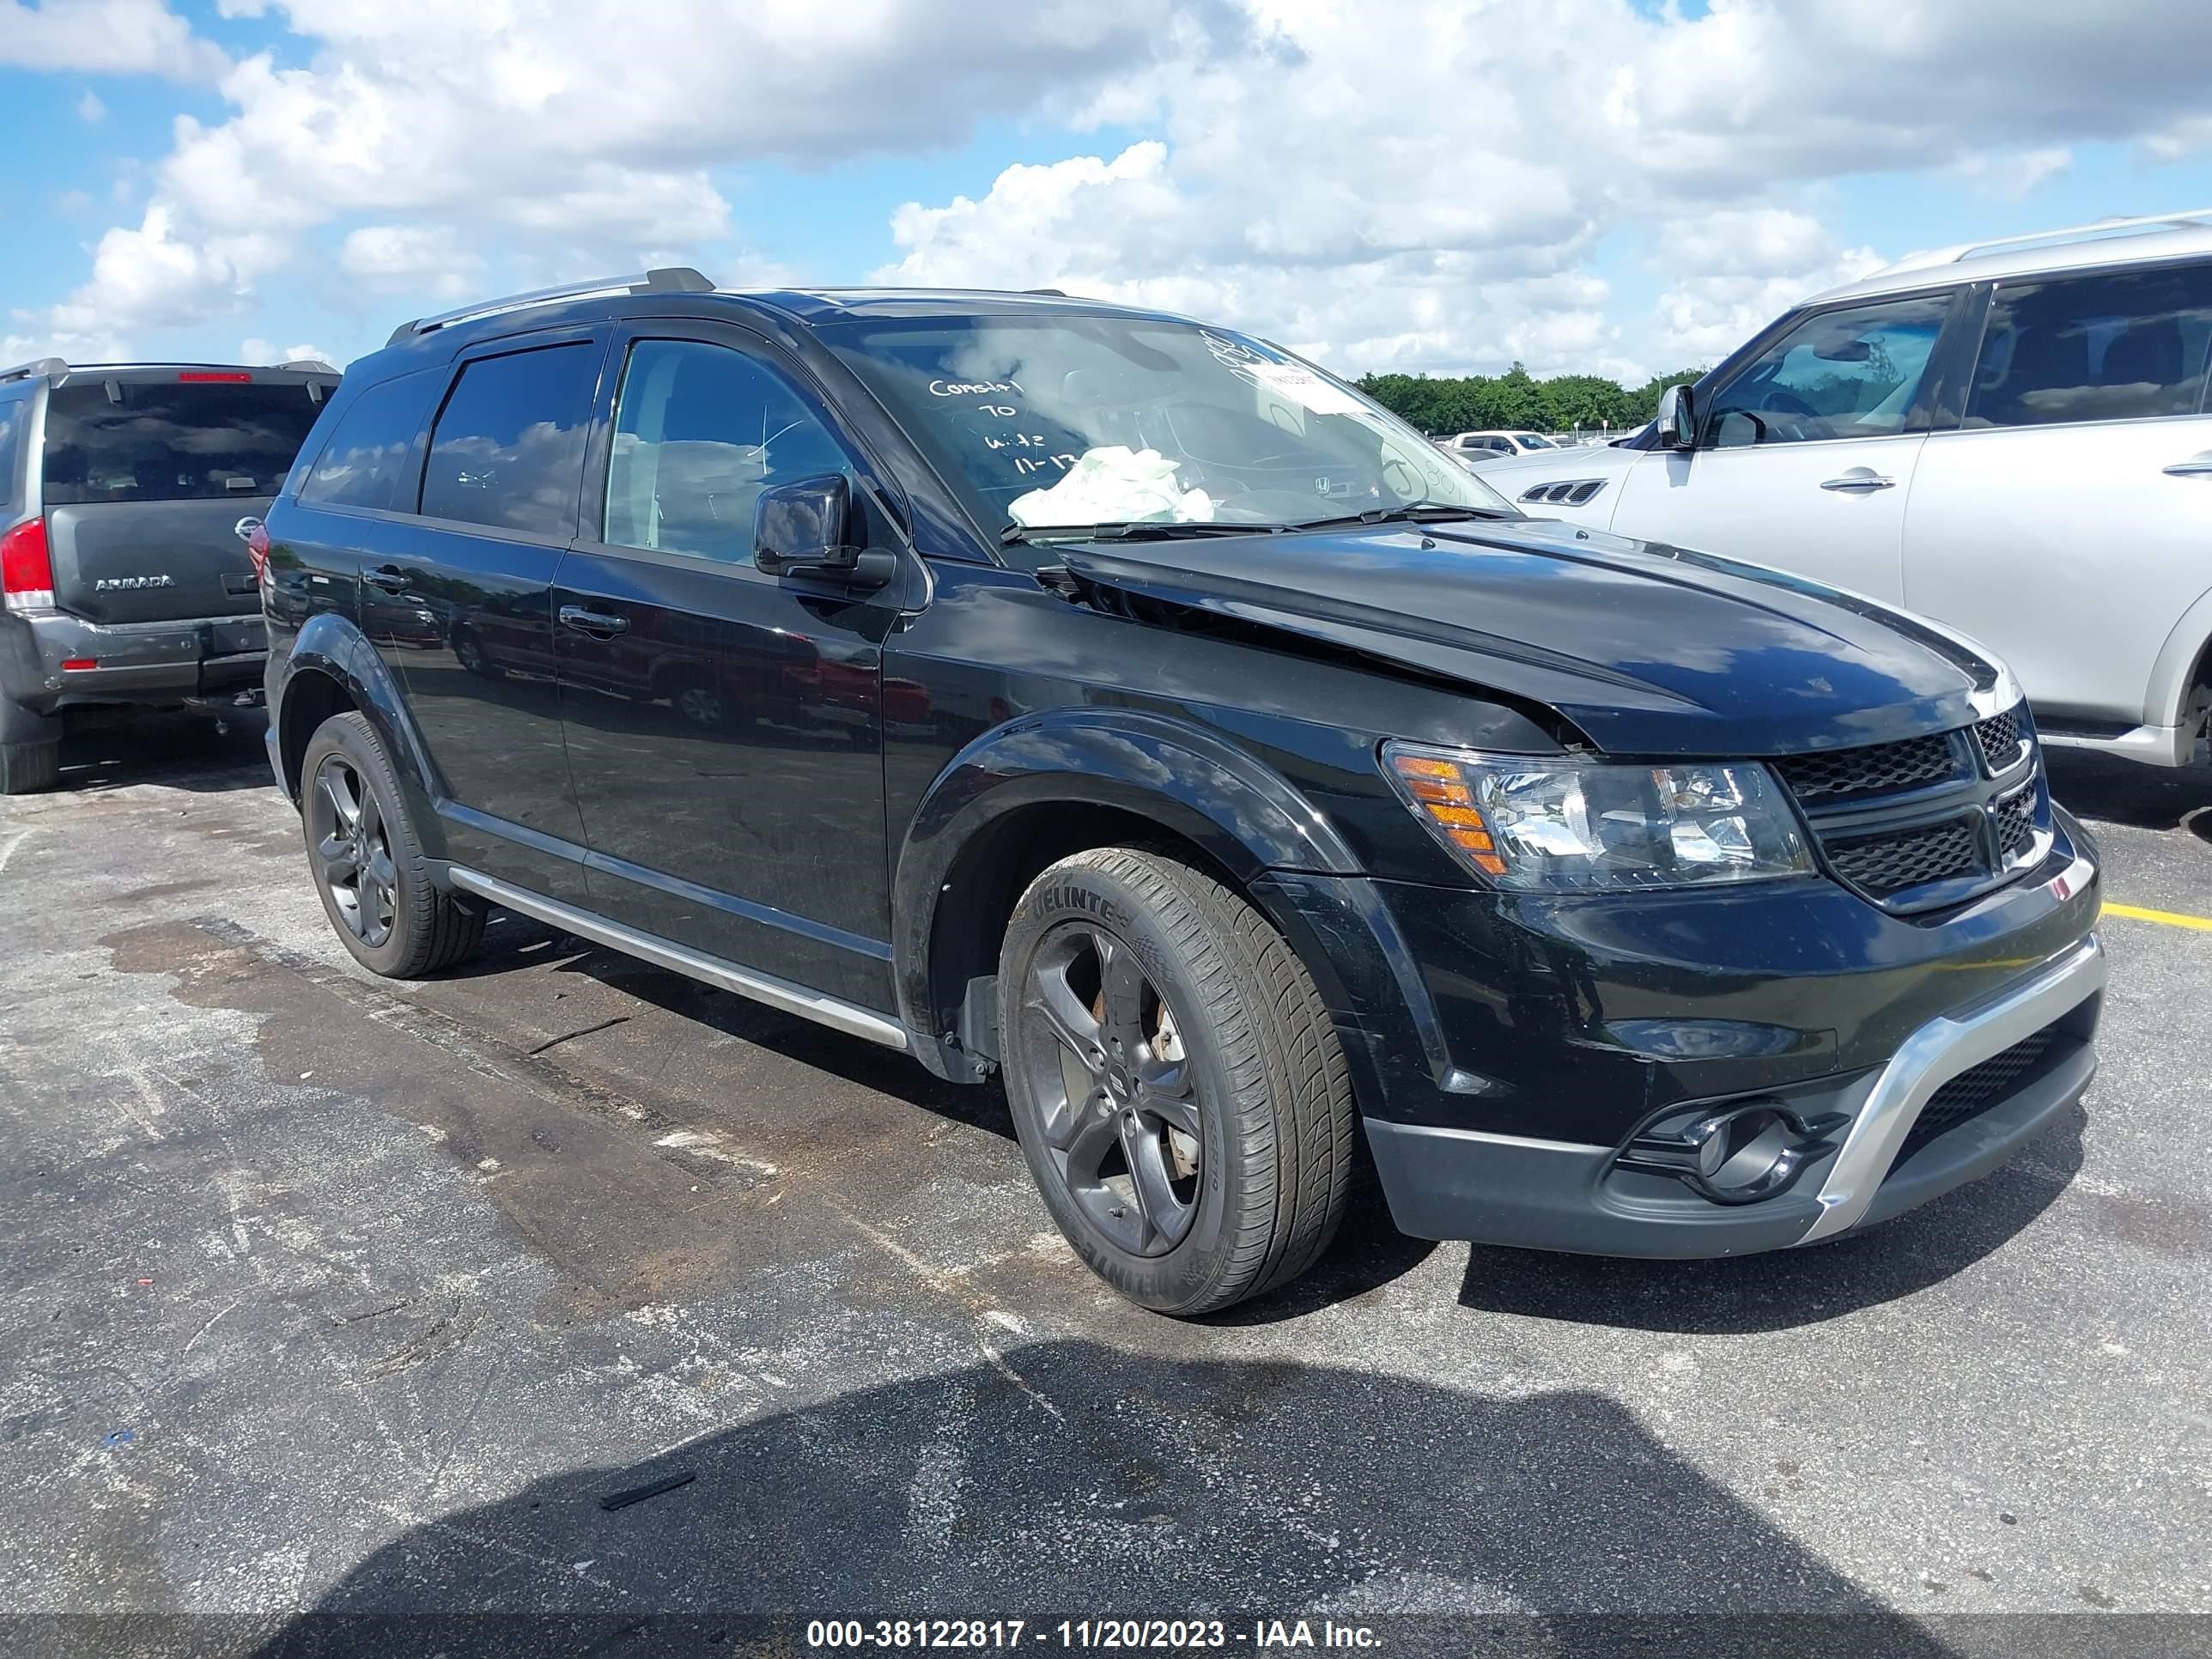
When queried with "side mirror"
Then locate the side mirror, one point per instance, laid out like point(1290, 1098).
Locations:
point(1677, 420)
point(805, 528)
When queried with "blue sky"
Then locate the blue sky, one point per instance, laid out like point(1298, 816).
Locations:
point(1615, 186)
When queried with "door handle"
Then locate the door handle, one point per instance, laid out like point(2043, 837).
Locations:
point(597, 624)
point(1859, 479)
point(391, 578)
point(2195, 467)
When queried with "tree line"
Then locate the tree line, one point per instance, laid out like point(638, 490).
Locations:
point(1441, 405)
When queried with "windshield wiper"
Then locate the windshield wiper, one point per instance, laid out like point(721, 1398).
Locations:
point(1411, 512)
point(1139, 530)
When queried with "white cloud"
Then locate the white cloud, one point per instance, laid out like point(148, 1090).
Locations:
point(2014, 173)
point(114, 37)
point(1387, 182)
point(90, 110)
point(254, 350)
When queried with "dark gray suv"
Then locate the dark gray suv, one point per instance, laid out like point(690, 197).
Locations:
point(127, 491)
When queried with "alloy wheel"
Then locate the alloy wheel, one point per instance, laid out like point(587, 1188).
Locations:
point(700, 704)
point(353, 851)
point(1115, 1090)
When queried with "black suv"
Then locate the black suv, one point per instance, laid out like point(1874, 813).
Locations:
point(1128, 709)
point(127, 491)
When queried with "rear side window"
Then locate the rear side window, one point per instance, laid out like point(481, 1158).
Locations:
point(508, 449)
point(121, 440)
point(12, 412)
point(363, 463)
point(2122, 346)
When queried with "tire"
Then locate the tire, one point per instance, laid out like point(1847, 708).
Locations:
point(27, 768)
point(469, 652)
point(1229, 1038)
point(367, 862)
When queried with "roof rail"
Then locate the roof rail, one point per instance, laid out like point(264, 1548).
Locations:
point(36, 368)
point(2138, 225)
point(312, 365)
point(664, 279)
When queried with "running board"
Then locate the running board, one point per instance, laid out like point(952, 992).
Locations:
point(846, 1017)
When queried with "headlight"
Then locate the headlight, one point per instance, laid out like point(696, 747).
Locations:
point(1534, 822)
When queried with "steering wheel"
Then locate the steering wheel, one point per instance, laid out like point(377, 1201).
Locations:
point(1780, 400)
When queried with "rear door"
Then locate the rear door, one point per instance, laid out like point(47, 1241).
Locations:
point(459, 603)
point(143, 482)
point(2067, 522)
point(725, 726)
point(1806, 454)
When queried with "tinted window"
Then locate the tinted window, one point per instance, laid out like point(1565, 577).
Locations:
point(1851, 373)
point(171, 440)
point(700, 431)
point(2111, 347)
point(361, 464)
point(11, 448)
point(509, 446)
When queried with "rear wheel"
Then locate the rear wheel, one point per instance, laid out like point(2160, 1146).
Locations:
point(1176, 1084)
point(367, 860)
point(27, 768)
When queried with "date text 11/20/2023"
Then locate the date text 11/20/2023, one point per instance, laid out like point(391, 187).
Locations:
point(1101, 1633)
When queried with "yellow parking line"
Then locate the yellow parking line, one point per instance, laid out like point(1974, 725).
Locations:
point(2170, 918)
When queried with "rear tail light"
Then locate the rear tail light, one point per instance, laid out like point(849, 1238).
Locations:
point(27, 574)
point(257, 547)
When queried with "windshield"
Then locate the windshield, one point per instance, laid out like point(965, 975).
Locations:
point(1532, 440)
point(1063, 420)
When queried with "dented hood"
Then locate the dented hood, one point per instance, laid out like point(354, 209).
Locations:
point(1648, 649)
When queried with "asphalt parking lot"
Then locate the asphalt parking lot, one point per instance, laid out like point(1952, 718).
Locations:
point(324, 1295)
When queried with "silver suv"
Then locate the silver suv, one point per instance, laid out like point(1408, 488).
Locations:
point(2011, 437)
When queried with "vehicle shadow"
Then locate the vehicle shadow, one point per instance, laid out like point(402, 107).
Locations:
point(1369, 1251)
point(1068, 1479)
point(1783, 1290)
point(105, 749)
point(2102, 787)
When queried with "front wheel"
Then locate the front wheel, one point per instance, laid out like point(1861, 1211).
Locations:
point(367, 860)
point(1176, 1084)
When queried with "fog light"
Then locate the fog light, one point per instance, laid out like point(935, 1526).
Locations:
point(1738, 1155)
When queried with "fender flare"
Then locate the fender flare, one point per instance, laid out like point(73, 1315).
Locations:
point(2166, 696)
point(334, 645)
point(1182, 776)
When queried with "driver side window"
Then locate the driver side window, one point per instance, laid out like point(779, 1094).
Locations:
point(1852, 374)
point(700, 431)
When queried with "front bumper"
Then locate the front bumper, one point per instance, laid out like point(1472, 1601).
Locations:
point(1508, 1050)
point(1553, 1195)
point(132, 662)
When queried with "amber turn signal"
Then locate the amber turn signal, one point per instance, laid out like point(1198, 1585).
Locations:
point(1441, 789)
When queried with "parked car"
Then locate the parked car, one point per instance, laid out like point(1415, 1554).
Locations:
point(1483, 446)
point(122, 487)
point(1627, 901)
point(2012, 437)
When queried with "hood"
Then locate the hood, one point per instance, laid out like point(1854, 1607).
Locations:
point(1648, 649)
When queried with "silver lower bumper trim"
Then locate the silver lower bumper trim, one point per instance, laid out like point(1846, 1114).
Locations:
point(1931, 1057)
point(849, 1018)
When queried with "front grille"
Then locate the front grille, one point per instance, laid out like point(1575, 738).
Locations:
point(1885, 864)
point(1975, 1090)
point(2015, 821)
point(2001, 742)
point(1876, 768)
point(1919, 823)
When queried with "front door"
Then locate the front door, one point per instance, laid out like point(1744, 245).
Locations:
point(1806, 455)
point(461, 607)
point(724, 726)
